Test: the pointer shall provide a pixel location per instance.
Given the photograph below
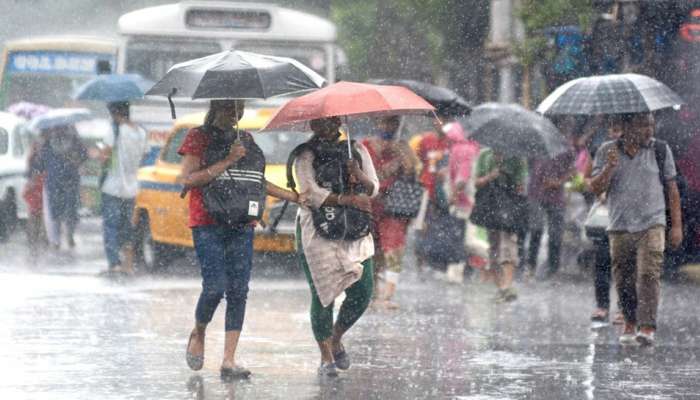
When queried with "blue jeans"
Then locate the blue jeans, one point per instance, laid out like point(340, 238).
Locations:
point(225, 255)
point(116, 226)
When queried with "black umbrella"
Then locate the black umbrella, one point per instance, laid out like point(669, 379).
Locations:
point(236, 75)
point(609, 94)
point(446, 101)
point(514, 130)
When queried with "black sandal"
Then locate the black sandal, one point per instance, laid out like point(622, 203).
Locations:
point(342, 359)
point(236, 372)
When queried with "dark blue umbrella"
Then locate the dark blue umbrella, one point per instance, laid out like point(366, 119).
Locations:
point(114, 88)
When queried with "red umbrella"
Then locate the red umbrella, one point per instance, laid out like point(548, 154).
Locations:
point(349, 99)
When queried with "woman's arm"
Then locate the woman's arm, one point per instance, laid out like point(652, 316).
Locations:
point(488, 178)
point(314, 196)
point(367, 175)
point(281, 193)
point(193, 175)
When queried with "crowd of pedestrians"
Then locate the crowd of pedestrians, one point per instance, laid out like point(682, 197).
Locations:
point(351, 239)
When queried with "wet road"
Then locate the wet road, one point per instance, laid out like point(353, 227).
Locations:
point(68, 333)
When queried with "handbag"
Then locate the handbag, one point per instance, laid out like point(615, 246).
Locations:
point(500, 209)
point(597, 221)
point(403, 198)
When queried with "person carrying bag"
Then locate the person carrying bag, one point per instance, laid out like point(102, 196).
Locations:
point(501, 208)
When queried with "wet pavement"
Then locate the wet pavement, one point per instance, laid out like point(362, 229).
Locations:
point(69, 333)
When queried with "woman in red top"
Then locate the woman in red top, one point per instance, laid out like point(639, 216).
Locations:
point(224, 251)
point(392, 159)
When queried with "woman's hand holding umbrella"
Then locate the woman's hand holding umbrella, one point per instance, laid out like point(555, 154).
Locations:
point(236, 152)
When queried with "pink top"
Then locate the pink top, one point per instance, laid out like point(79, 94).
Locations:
point(463, 155)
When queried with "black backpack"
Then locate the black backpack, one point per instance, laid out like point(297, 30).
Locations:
point(333, 222)
point(237, 196)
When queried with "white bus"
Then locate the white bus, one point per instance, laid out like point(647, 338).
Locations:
point(157, 37)
point(47, 70)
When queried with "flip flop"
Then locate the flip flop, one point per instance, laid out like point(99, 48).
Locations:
point(236, 372)
point(598, 316)
point(194, 362)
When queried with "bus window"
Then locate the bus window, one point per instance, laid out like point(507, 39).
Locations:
point(312, 56)
point(152, 58)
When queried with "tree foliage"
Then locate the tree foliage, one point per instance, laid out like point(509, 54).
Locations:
point(538, 15)
point(407, 38)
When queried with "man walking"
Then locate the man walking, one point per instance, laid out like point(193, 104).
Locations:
point(638, 174)
point(123, 157)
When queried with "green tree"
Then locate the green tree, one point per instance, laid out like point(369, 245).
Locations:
point(537, 15)
point(417, 39)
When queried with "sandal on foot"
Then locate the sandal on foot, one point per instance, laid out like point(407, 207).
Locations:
point(619, 319)
point(342, 359)
point(327, 370)
point(236, 372)
point(600, 315)
point(194, 362)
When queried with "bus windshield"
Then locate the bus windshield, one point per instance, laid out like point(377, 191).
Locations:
point(152, 58)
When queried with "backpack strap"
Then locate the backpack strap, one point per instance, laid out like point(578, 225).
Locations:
point(290, 165)
point(660, 154)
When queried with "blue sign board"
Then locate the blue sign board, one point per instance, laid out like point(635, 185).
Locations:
point(56, 62)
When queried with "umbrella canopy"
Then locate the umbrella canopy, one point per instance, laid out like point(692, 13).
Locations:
point(514, 130)
point(444, 100)
point(236, 75)
point(28, 110)
point(59, 117)
point(609, 94)
point(349, 99)
point(113, 88)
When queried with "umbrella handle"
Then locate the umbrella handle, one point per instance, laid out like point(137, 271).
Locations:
point(347, 131)
point(172, 105)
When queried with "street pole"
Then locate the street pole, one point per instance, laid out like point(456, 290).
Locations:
point(505, 31)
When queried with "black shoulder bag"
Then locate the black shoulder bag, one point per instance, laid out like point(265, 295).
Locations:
point(330, 159)
point(237, 196)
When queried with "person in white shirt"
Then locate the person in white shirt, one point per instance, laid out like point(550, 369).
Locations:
point(123, 154)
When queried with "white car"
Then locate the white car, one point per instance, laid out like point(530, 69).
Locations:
point(14, 149)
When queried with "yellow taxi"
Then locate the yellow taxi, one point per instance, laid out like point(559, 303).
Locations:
point(162, 216)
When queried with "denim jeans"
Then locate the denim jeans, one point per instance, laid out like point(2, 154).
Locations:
point(116, 226)
point(555, 230)
point(225, 256)
point(603, 273)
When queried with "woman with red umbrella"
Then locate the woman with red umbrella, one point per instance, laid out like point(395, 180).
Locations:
point(334, 266)
point(338, 264)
